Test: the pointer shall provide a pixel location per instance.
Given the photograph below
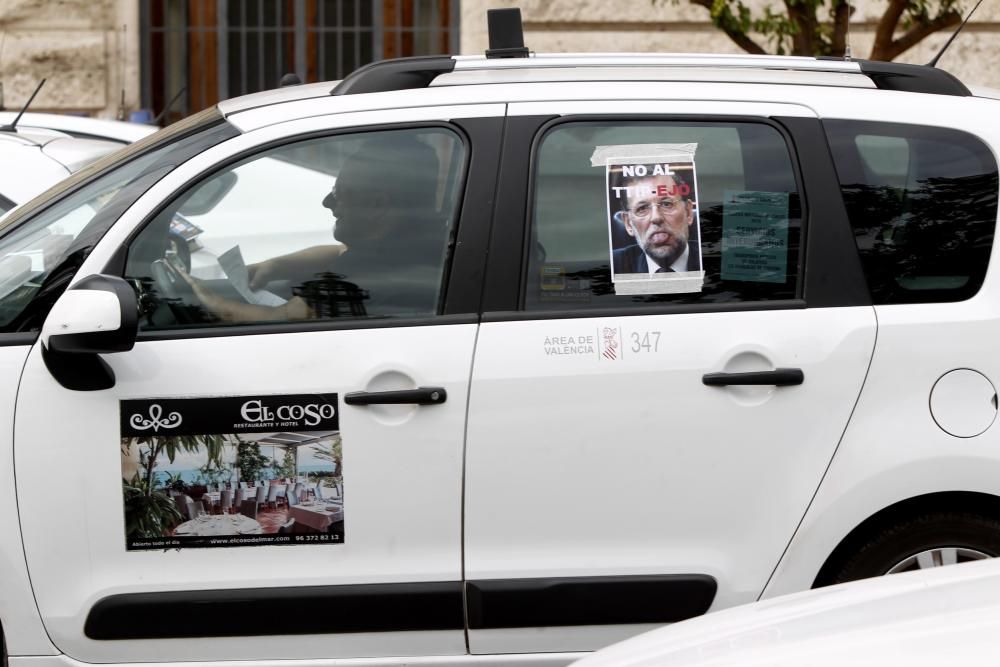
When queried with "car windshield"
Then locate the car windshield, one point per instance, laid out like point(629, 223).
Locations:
point(48, 238)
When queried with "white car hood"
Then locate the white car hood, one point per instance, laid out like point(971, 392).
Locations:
point(928, 617)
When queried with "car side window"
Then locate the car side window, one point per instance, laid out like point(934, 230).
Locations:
point(739, 240)
point(923, 205)
point(5, 205)
point(349, 226)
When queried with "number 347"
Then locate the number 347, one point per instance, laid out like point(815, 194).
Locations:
point(645, 341)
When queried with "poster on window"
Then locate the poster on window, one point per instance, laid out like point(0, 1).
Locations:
point(755, 236)
point(653, 227)
point(232, 471)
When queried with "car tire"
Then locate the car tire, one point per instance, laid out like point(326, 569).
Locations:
point(926, 540)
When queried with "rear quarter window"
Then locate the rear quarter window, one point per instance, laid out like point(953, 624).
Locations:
point(922, 202)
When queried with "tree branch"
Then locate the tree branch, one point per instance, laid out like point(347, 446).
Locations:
point(886, 27)
point(841, 24)
point(738, 36)
point(915, 34)
point(804, 39)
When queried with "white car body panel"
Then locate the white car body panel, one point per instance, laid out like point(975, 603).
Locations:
point(27, 171)
point(87, 510)
point(941, 616)
point(621, 485)
point(856, 103)
point(509, 660)
point(629, 500)
point(884, 461)
point(428, 523)
point(18, 610)
point(82, 311)
point(76, 153)
point(31, 163)
point(94, 128)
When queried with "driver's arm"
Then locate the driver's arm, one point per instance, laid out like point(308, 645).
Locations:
point(229, 310)
point(297, 266)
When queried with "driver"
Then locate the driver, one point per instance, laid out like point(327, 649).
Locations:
point(387, 224)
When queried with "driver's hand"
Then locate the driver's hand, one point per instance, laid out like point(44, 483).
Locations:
point(195, 284)
point(203, 294)
point(262, 273)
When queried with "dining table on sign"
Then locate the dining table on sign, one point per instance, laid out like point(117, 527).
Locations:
point(249, 493)
point(220, 524)
point(316, 514)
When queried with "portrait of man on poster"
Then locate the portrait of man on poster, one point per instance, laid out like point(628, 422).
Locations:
point(656, 206)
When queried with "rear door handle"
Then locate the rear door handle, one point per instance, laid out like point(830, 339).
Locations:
point(418, 396)
point(779, 377)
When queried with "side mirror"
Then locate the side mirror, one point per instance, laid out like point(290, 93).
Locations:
point(97, 315)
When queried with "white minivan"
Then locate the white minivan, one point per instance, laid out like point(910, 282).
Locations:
point(603, 341)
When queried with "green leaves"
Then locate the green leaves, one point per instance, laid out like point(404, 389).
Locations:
point(249, 460)
point(148, 513)
point(332, 451)
point(820, 27)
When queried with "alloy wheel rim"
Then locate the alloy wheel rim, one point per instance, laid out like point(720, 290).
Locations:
point(937, 557)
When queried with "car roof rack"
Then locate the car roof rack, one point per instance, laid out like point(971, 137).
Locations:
point(507, 52)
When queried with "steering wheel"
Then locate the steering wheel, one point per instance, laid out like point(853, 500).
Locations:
point(175, 292)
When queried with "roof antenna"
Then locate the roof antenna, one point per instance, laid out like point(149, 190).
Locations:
point(3, 40)
point(933, 62)
point(506, 33)
point(121, 56)
point(13, 126)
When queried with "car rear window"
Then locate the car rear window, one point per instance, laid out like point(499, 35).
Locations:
point(742, 186)
point(923, 205)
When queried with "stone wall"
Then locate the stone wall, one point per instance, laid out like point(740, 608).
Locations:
point(78, 46)
point(646, 26)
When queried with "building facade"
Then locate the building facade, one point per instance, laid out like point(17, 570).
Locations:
point(165, 59)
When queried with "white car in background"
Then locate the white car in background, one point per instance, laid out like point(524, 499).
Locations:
point(31, 161)
point(79, 126)
point(927, 617)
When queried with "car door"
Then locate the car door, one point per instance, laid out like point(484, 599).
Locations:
point(642, 443)
point(136, 545)
point(14, 349)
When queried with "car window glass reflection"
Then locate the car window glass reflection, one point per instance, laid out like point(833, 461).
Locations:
point(361, 232)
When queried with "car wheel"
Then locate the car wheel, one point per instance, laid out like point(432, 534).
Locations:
point(928, 540)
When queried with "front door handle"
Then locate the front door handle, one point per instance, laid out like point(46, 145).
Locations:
point(779, 377)
point(419, 396)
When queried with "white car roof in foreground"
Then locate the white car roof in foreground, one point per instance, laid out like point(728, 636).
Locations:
point(929, 617)
point(470, 70)
point(276, 96)
point(93, 128)
point(831, 88)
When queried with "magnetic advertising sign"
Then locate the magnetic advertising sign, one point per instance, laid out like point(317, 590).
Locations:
point(232, 471)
